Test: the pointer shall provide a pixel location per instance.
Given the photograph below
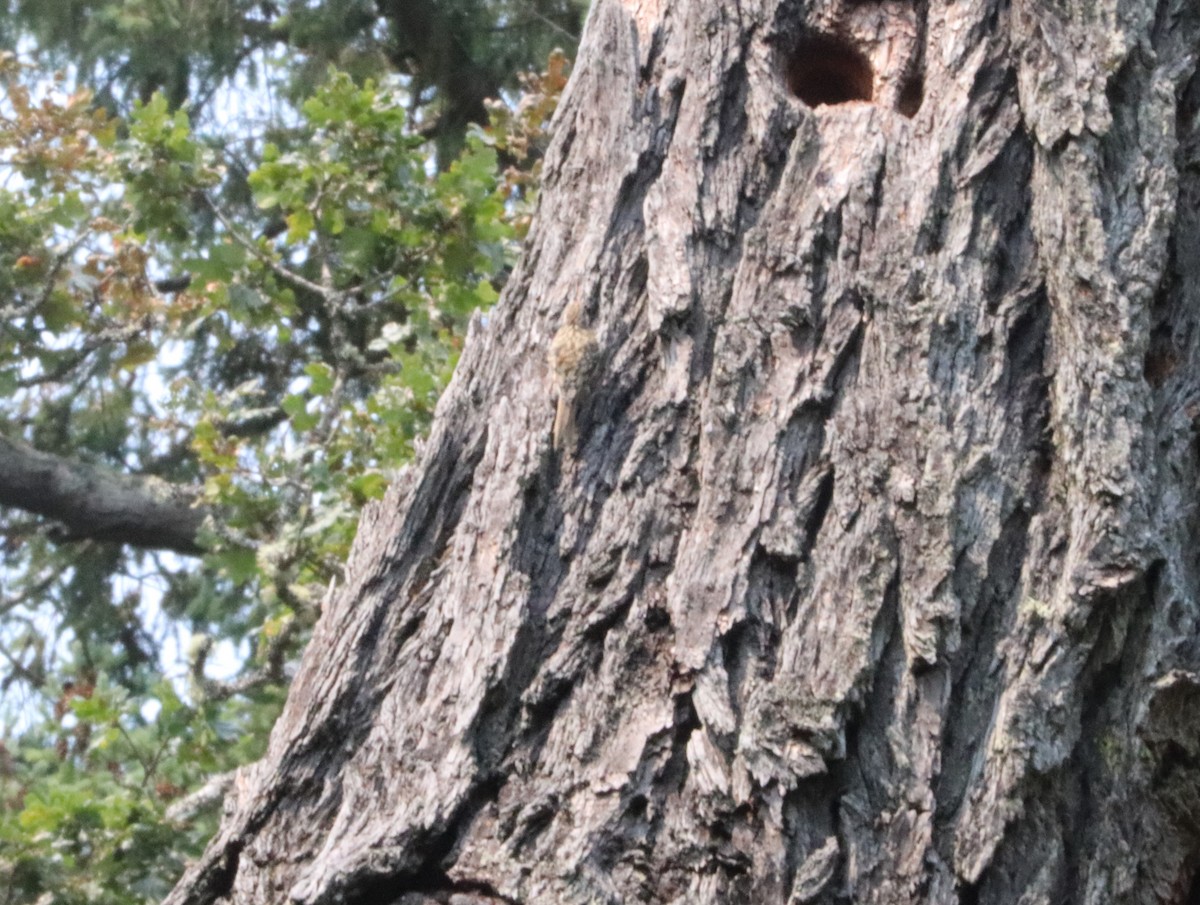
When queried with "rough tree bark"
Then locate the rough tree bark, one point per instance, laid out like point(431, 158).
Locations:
point(871, 575)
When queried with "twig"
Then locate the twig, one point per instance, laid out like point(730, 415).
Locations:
point(270, 671)
point(251, 246)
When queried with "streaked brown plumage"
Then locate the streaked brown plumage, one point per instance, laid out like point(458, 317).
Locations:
point(572, 352)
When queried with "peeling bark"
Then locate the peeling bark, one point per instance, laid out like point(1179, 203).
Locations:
point(872, 575)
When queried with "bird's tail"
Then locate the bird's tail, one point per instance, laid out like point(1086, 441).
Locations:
point(564, 424)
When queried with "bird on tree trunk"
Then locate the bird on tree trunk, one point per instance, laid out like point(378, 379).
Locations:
point(572, 355)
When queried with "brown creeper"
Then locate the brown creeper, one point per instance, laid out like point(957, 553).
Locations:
point(572, 355)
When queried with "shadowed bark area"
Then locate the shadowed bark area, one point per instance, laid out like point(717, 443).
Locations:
point(870, 575)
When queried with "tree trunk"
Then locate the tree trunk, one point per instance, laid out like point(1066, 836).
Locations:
point(868, 571)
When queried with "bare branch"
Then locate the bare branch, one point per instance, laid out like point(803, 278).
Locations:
point(186, 808)
point(270, 671)
point(255, 249)
point(97, 504)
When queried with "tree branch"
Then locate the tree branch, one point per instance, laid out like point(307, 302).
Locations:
point(97, 504)
point(253, 247)
point(186, 808)
point(271, 670)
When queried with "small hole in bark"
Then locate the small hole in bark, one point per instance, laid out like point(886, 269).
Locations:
point(911, 96)
point(827, 70)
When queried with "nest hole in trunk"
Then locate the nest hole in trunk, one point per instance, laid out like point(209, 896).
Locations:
point(823, 69)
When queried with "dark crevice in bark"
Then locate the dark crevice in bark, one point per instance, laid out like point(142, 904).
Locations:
point(675, 771)
point(1171, 734)
point(824, 255)
point(437, 886)
point(992, 27)
point(798, 452)
point(626, 227)
point(492, 735)
point(664, 132)
point(746, 654)
point(968, 894)
point(510, 703)
point(975, 683)
point(1192, 883)
point(918, 63)
point(638, 278)
point(1063, 813)
point(844, 372)
point(1180, 19)
point(912, 91)
point(993, 94)
point(816, 516)
point(874, 202)
point(931, 233)
point(214, 879)
point(537, 547)
point(434, 852)
point(1031, 845)
point(442, 888)
point(1121, 199)
point(432, 514)
point(1027, 384)
point(725, 244)
point(539, 708)
point(535, 551)
point(863, 781)
point(659, 778)
point(538, 712)
point(608, 427)
point(605, 620)
point(811, 815)
point(912, 95)
point(522, 835)
point(646, 71)
point(1176, 314)
point(1117, 627)
point(750, 651)
point(868, 765)
point(224, 876)
point(1005, 198)
point(1121, 625)
point(731, 118)
point(560, 149)
point(1076, 810)
point(438, 502)
point(1163, 354)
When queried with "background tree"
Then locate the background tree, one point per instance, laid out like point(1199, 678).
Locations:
point(872, 574)
point(455, 54)
point(227, 314)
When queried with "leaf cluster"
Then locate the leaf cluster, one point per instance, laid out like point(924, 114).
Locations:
point(263, 341)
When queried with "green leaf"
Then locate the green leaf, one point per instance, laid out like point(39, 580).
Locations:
point(238, 564)
point(137, 353)
point(320, 376)
point(369, 486)
point(486, 293)
point(296, 407)
point(300, 224)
